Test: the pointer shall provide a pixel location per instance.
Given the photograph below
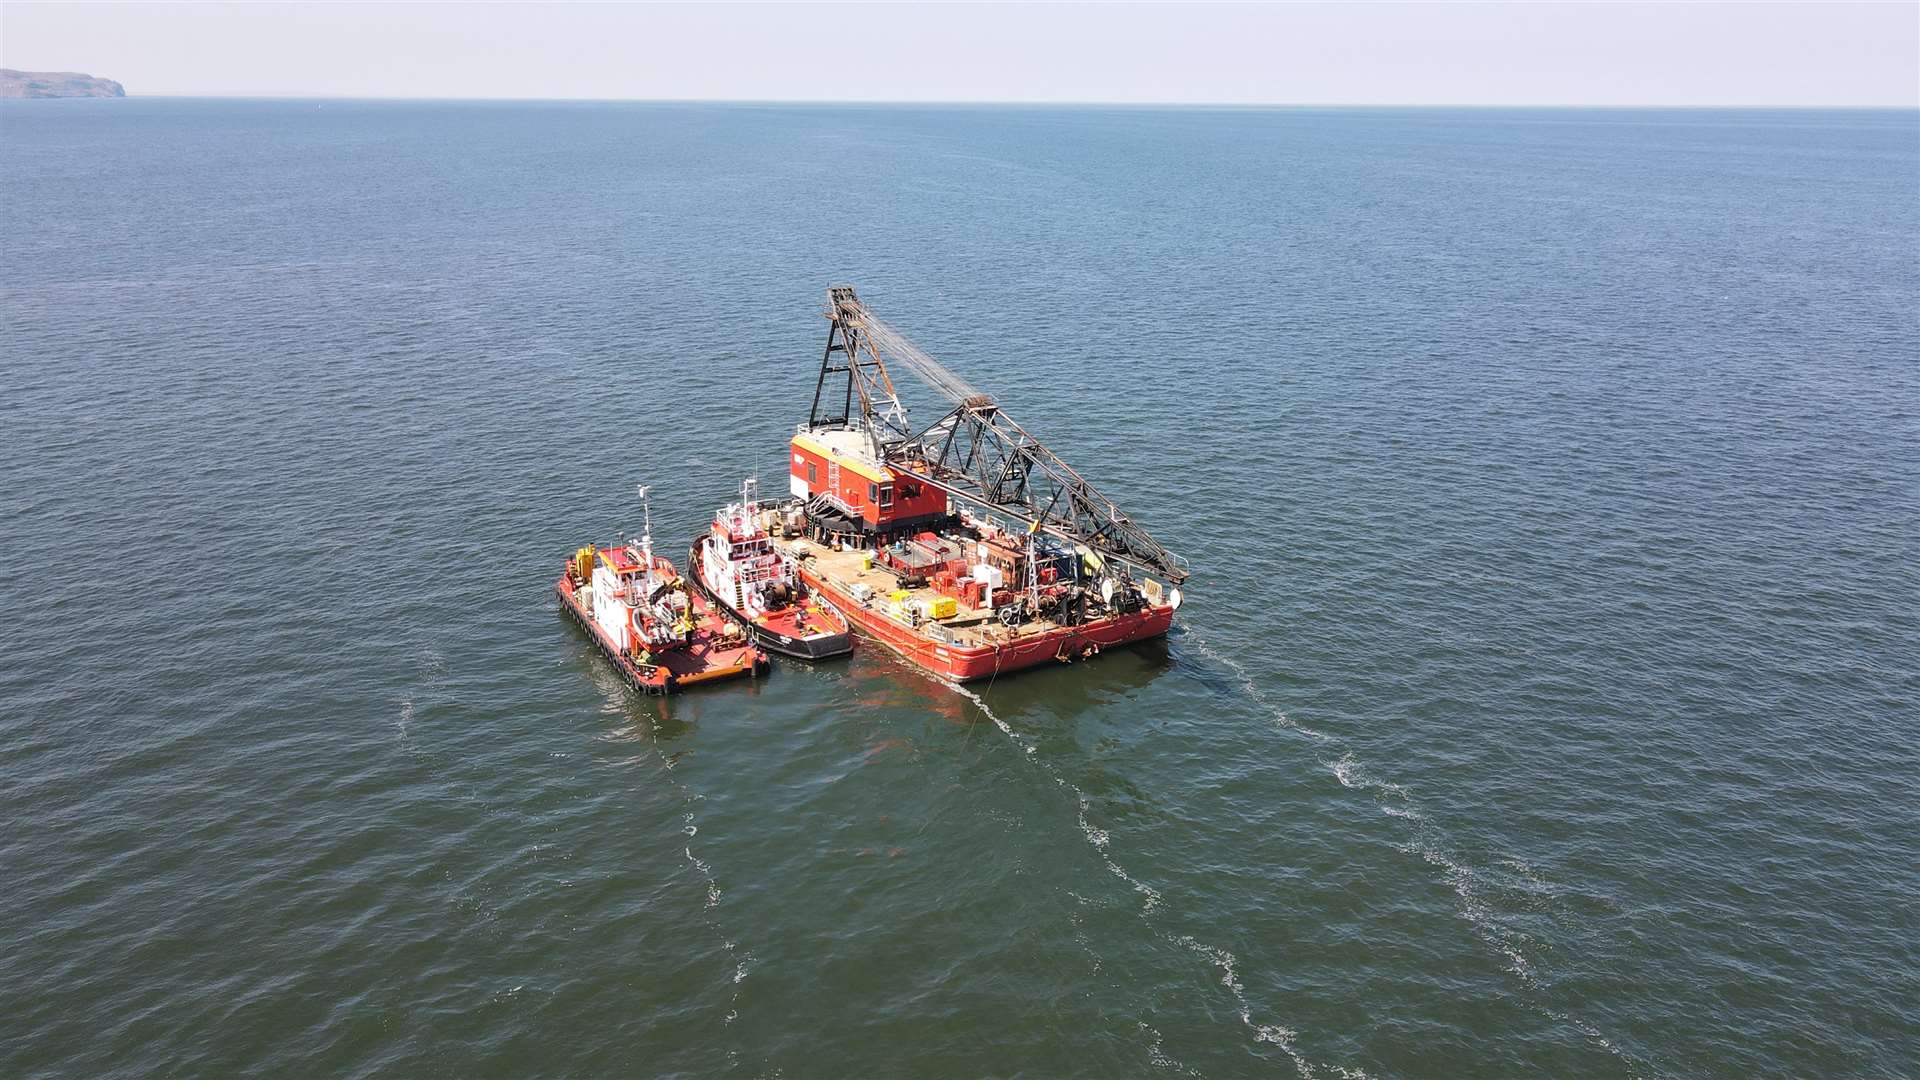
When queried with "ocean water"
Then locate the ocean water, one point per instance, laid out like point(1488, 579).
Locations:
point(1547, 701)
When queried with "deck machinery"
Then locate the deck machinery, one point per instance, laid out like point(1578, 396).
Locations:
point(966, 545)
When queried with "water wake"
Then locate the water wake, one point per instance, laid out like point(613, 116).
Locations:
point(1282, 1037)
point(1100, 840)
point(1157, 1055)
point(1427, 843)
point(741, 960)
point(433, 671)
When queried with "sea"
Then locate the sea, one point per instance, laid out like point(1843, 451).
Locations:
point(1545, 701)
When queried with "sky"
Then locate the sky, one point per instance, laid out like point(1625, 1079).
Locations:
point(1436, 53)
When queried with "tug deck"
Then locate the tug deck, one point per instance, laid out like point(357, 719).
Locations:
point(710, 657)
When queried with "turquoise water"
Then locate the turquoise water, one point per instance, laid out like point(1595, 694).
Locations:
point(1545, 702)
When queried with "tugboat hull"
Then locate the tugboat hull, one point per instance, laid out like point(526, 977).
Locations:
point(709, 661)
point(799, 647)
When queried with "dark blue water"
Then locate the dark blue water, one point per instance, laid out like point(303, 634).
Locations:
point(1545, 702)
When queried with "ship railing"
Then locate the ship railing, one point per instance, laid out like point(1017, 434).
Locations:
point(753, 575)
point(824, 501)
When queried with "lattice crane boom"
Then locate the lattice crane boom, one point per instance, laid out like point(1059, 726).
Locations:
point(975, 452)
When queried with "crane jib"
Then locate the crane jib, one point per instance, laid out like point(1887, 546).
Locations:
point(978, 453)
point(975, 452)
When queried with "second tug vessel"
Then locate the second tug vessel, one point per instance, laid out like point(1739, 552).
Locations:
point(736, 565)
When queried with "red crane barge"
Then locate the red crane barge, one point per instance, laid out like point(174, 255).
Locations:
point(968, 547)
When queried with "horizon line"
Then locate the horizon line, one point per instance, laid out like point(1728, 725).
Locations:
point(1005, 102)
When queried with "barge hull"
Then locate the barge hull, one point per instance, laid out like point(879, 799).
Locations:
point(965, 664)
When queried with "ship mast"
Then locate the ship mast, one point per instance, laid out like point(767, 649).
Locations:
point(646, 529)
point(744, 523)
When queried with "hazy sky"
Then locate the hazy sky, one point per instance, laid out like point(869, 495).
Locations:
point(1422, 53)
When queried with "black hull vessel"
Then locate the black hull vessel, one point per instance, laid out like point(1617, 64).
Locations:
point(804, 628)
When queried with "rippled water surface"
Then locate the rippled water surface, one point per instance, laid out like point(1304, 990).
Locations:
point(1545, 703)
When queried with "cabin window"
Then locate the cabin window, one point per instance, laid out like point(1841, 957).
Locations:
point(813, 474)
point(873, 492)
point(886, 496)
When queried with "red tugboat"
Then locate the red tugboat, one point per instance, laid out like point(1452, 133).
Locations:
point(968, 547)
point(737, 568)
point(659, 635)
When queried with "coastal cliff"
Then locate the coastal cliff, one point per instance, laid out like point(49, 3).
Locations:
point(56, 84)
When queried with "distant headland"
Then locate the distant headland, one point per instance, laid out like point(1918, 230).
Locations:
point(55, 84)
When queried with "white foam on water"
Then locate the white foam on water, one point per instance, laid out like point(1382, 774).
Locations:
point(1096, 837)
point(1353, 775)
point(1343, 772)
point(1465, 880)
point(1279, 718)
point(1531, 880)
point(741, 961)
point(1593, 1035)
point(1395, 801)
point(1275, 1034)
point(1466, 887)
point(1100, 840)
point(1157, 1054)
point(433, 667)
point(1080, 935)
